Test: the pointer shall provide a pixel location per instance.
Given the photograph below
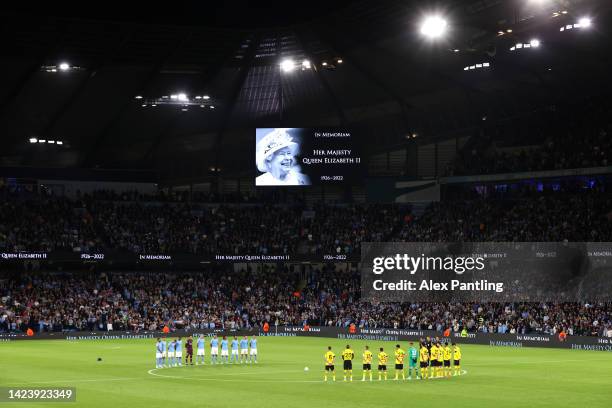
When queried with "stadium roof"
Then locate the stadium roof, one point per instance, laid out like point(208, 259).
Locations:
point(390, 81)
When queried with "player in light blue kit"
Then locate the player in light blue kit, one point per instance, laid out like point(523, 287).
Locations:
point(214, 349)
point(244, 350)
point(235, 356)
point(160, 350)
point(178, 351)
point(171, 360)
point(224, 350)
point(253, 356)
point(201, 353)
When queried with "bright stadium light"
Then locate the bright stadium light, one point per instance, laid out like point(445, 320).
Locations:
point(584, 22)
point(206, 97)
point(64, 66)
point(33, 140)
point(182, 97)
point(305, 64)
point(433, 27)
point(287, 65)
point(59, 142)
point(534, 43)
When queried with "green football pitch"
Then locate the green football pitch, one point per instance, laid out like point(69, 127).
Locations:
point(126, 377)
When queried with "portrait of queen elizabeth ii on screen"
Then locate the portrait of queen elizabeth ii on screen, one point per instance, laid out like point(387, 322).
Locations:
point(276, 158)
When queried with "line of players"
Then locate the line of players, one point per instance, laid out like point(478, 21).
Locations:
point(433, 359)
point(169, 353)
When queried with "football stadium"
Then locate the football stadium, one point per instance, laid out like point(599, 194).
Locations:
point(320, 204)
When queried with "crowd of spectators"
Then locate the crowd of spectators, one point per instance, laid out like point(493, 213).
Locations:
point(575, 137)
point(86, 225)
point(222, 297)
point(230, 299)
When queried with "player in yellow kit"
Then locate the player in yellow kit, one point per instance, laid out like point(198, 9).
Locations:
point(440, 363)
point(433, 358)
point(367, 363)
point(424, 358)
point(329, 363)
point(447, 359)
point(399, 362)
point(457, 359)
point(347, 357)
point(382, 363)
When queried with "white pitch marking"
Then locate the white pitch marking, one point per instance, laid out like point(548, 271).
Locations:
point(152, 372)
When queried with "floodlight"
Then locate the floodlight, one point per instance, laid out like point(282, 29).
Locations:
point(287, 65)
point(534, 43)
point(64, 66)
point(182, 97)
point(433, 27)
point(33, 140)
point(584, 22)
